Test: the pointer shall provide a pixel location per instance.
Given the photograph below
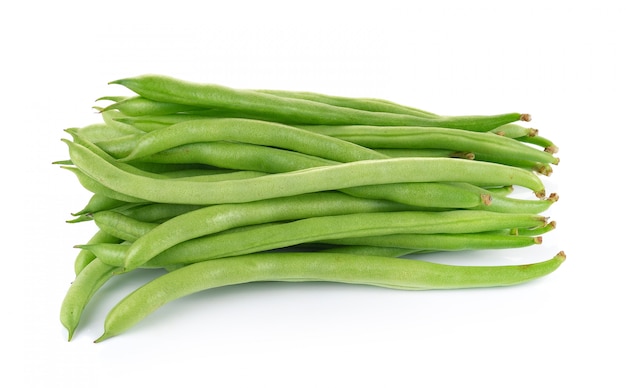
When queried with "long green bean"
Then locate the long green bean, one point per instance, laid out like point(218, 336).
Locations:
point(290, 110)
point(297, 267)
point(362, 173)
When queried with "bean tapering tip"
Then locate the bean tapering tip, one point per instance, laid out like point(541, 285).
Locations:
point(525, 117)
point(103, 337)
point(560, 256)
point(118, 81)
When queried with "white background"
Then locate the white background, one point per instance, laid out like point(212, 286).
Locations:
point(560, 61)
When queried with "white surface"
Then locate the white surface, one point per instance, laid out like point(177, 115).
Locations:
point(561, 62)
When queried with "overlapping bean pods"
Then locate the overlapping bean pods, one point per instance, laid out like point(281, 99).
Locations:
point(222, 186)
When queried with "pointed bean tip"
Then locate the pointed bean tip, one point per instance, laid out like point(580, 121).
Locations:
point(560, 256)
point(103, 337)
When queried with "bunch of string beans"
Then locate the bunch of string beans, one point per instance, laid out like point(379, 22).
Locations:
point(222, 186)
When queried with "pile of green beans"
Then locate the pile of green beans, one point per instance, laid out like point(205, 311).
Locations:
point(218, 186)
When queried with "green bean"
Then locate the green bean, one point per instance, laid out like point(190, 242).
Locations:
point(274, 108)
point(513, 130)
point(424, 153)
point(121, 226)
point(96, 187)
point(153, 123)
point(541, 141)
point(369, 250)
point(102, 131)
point(112, 98)
point(226, 176)
point(367, 104)
point(110, 118)
point(386, 272)
point(512, 159)
point(498, 202)
point(239, 156)
point(87, 282)
point(102, 154)
point(442, 242)
point(249, 131)
point(157, 212)
point(100, 202)
point(272, 160)
point(535, 231)
point(500, 190)
point(84, 257)
point(139, 106)
point(446, 138)
point(362, 173)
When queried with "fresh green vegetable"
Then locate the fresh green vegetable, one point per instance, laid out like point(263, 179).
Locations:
point(222, 186)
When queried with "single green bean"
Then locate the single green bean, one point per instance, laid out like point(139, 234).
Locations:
point(100, 202)
point(102, 131)
point(361, 173)
point(541, 141)
point(84, 257)
point(513, 130)
point(87, 282)
point(367, 104)
point(110, 118)
point(386, 272)
point(157, 212)
point(368, 250)
point(140, 106)
point(248, 131)
point(95, 187)
point(424, 153)
point(442, 242)
point(438, 138)
point(238, 156)
point(121, 226)
point(275, 108)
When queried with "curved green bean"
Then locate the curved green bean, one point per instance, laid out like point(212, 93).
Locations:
point(442, 242)
point(121, 226)
point(247, 131)
point(271, 160)
point(140, 106)
point(100, 202)
point(87, 282)
point(386, 272)
point(438, 138)
point(513, 130)
point(275, 108)
point(84, 257)
point(361, 173)
point(367, 104)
